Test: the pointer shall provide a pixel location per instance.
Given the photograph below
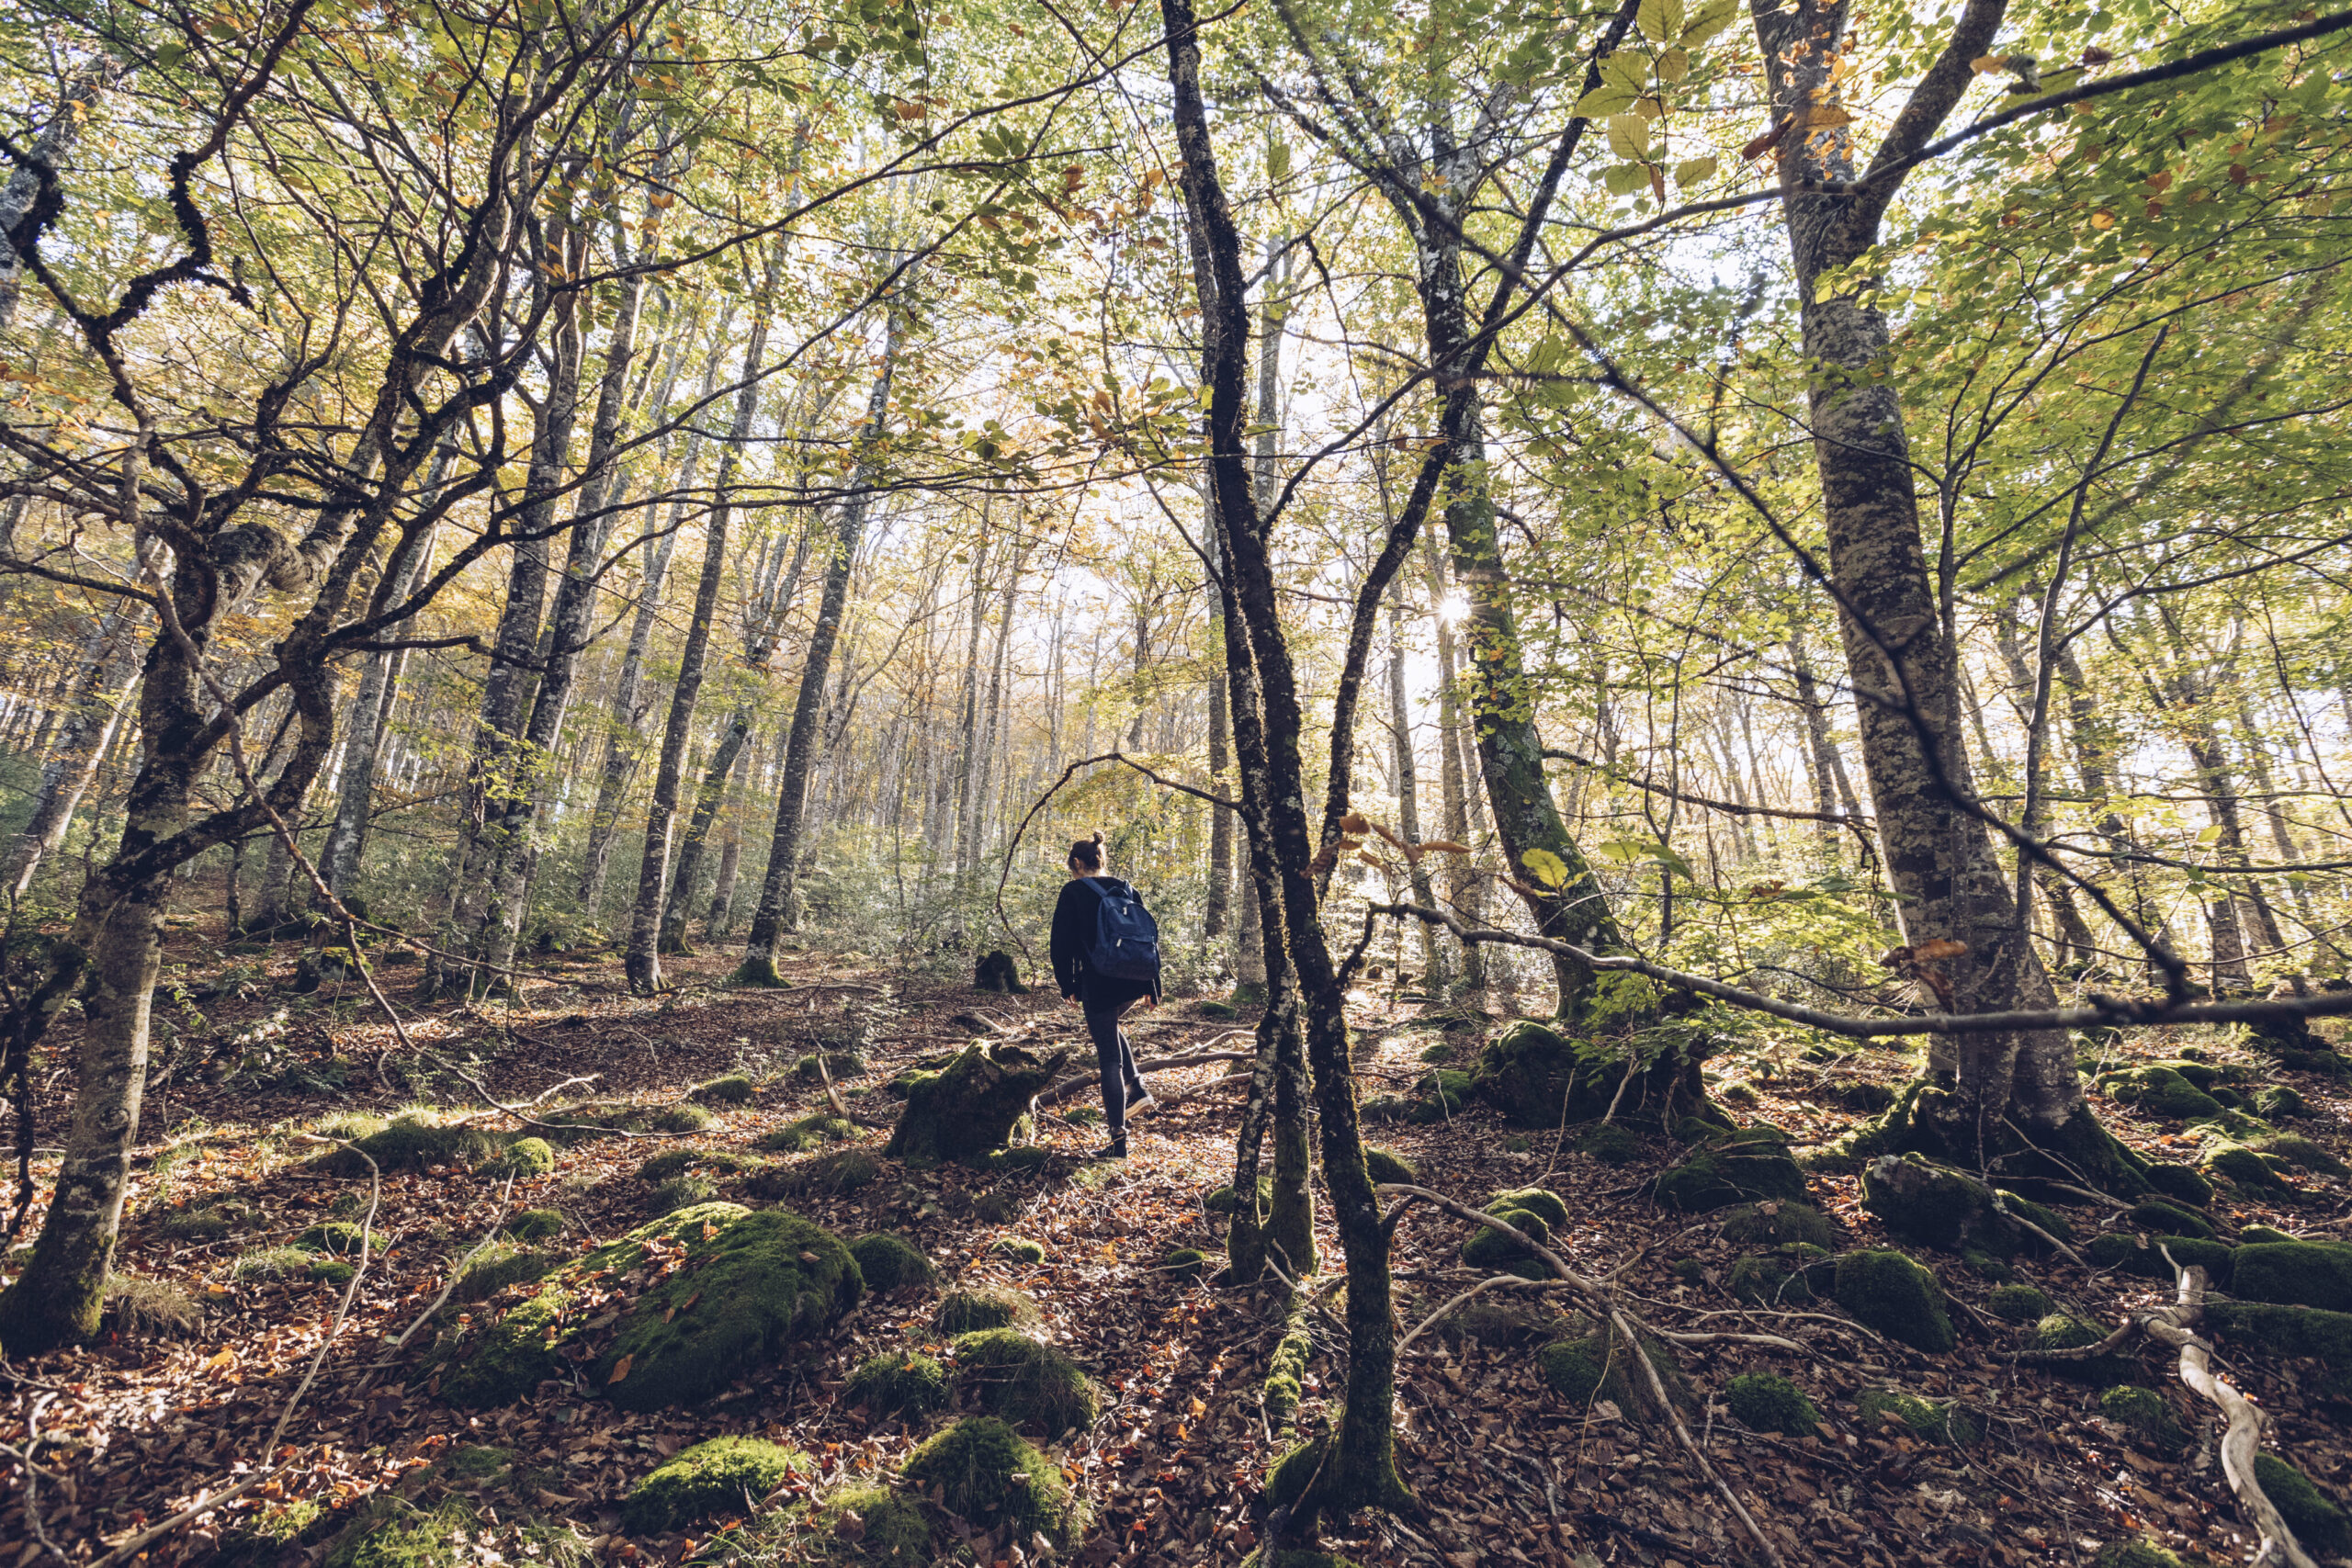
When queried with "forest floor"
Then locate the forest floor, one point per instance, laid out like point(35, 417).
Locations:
point(134, 1430)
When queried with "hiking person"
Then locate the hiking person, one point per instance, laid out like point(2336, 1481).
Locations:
point(1105, 955)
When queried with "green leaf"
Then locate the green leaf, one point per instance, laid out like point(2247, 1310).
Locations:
point(1626, 71)
point(1673, 65)
point(1603, 101)
point(1278, 160)
point(1629, 136)
point(1545, 868)
point(1712, 18)
point(1660, 21)
point(1694, 171)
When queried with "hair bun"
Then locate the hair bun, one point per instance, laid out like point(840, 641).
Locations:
point(1098, 836)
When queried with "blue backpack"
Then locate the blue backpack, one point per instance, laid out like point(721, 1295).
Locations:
point(1126, 938)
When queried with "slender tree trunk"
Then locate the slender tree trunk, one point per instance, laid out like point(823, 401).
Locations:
point(643, 960)
point(776, 915)
point(71, 760)
point(1902, 667)
point(686, 880)
point(1408, 810)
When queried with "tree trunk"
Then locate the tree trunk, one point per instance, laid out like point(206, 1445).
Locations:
point(642, 960)
point(1408, 810)
point(71, 758)
point(686, 882)
point(1902, 667)
point(776, 915)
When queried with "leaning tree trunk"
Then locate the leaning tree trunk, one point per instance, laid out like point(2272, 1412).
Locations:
point(776, 915)
point(1901, 663)
point(72, 756)
point(1361, 1467)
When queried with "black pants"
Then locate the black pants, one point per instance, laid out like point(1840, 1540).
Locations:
point(1121, 1082)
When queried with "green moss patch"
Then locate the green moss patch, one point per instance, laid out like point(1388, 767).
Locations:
point(1610, 1145)
point(874, 1524)
point(524, 1159)
point(412, 1143)
point(535, 1224)
point(1285, 1386)
point(2180, 1184)
point(2169, 1219)
point(889, 1262)
point(681, 1192)
point(2301, 1153)
point(2146, 1256)
point(1023, 1380)
point(1770, 1223)
point(732, 1088)
point(846, 1170)
point(1933, 1205)
point(1185, 1263)
point(1534, 1199)
point(2318, 1523)
point(1539, 1078)
point(1766, 1402)
point(1600, 1365)
point(1888, 1292)
point(723, 1476)
point(2018, 1303)
point(2144, 1412)
point(672, 1163)
point(746, 1286)
point(336, 1238)
point(969, 1312)
point(1488, 1248)
point(988, 1476)
point(1769, 1281)
point(1929, 1420)
point(2242, 1168)
point(503, 1264)
point(1388, 1169)
point(393, 1533)
point(2061, 1331)
point(2159, 1092)
point(1019, 1250)
point(2294, 1274)
point(1440, 1094)
point(1742, 1168)
point(900, 1383)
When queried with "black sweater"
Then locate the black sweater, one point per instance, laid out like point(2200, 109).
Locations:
point(1074, 926)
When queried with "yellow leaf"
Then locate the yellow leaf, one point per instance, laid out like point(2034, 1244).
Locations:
point(225, 1358)
point(1989, 64)
point(2103, 219)
point(1549, 868)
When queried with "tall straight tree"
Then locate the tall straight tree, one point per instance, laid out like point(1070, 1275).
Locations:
point(776, 915)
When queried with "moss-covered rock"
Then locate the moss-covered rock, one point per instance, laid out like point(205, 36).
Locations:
point(900, 1383)
point(535, 1224)
point(1929, 1420)
point(1766, 1402)
point(1027, 1382)
point(1537, 1076)
point(2180, 1183)
point(2169, 1219)
point(874, 1524)
point(968, 1312)
point(887, 1262)
point(2145, 1256)
point(2159, 1092)
point(1888, 1292)
point(2144, 1412)
point(1020, 1158)
point(1224, 1201)
point(1535, 1200)
point(1600, 1365)
point(1774, 1278)
point(988, 1476)
point(1933, 1205)
point(2280, 1103)
point(729, 1088)
point(524, 1159)
point(2243, 1169)
point(723, 1476)
point(817, 1065)
point(681, 1192)
point(2298, 1152)
point(748, 1286)
point(2293, 1044)
point(1744, 1167)
point(1019, 1249)
point(1770, 1223)
point(2142, 1553)
point(503, 1264)
point(844, 1170)
point(2317, 1522)
point(1487, 1248)
point(2294, 1274)
point(2281, 1332)
point(2061, 1331)
point(1438, 1095)
point(336, 1238)
point(1388, 1168)
point(2018, 1303)
point(671, 1162)
point(1185, 1263)
point(412, 1142)
point(969, 1107)
point(1610, 1145)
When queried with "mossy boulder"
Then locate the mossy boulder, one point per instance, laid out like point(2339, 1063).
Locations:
point(729, 1088)
point(2318, 1523)
point(1770, 1223)
point(2146, 1256)
point(1598, 1365)
point(1185, 1263)
point(747, 1286)
point(414, 1142)
point(1019, 1250)
point(988, 1476)
point(1739, 1167)
point(2018, 1303)
point(843, 1170)
point(535, 1224)
point(524, 1159)
point(336, 1238)
point(2280, 1103)
point(1774, 1278)
point(2293, 1044)
point(1438, 1095)
point(874, 1524)
point(2063, 1331)
point(2301, 1153)
point(503, 1264)
point(818, 1065)
point(2159, 1092)
point(1537, 1076)
point(1025, 1380)
point(900, 1382)
point(1888, 1292)
point(2290, 1332)
point(2170, 1219)
point(672, 1163)
point(968, 1312)
point(681, 1192)
point(1487, 1248)
point(1766, 1402)
point(1933, 1205)
point(2294, 1274)
point(887, 1262)
point(723, 1476)
point(1388, 1168)
point(2244, 1168)
point(2145, 1414)
point(1610, 1145)
point(2180, 1183)
point(1926, 1419)
point(969, 1107)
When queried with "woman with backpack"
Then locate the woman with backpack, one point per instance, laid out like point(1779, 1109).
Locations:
point(1106, 958)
